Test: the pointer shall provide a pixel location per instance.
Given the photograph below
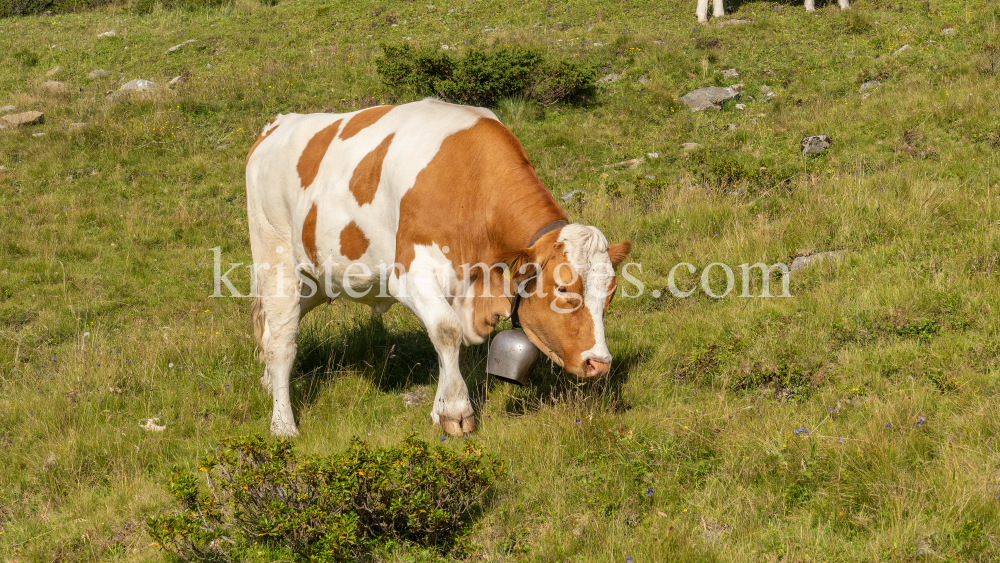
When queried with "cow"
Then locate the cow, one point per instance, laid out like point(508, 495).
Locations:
point(719, 10)
point(432, 205)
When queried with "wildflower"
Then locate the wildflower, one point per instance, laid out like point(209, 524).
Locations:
point(578, 422)
point(649, 490)
point(841, 439)
point(888, 425)
point(442, 438)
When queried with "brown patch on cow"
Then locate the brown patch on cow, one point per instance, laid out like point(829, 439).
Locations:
point(260, 140)
point(479, 196)
point(309, 235)
point(364, 181)
point(353, 242)
point(312, 155)
point(363, 119)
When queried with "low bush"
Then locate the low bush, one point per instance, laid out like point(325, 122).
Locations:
point(9, 8)
point(329, 509)
point(483, 78)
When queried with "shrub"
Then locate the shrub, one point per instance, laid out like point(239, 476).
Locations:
point(483, 78)
point(322, 509)
point(9, 8)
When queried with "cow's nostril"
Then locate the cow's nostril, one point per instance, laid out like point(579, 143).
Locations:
point(597, 368)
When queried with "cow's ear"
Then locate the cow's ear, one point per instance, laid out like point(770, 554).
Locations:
point(520, 264)
point(619, 252)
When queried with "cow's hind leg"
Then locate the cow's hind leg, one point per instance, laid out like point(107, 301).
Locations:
point(718, 9)
point(277, 287)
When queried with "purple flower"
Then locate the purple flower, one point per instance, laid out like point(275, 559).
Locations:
point(578, 422)
point(628, 560)
point(830, 410)
point(649, 491)
point(841, 439)
point(888, 425)
point(442, 438)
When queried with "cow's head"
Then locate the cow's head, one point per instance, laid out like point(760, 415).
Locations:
point(562, 308)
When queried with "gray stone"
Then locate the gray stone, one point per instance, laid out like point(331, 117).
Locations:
point(725, 23)
point(570, 196)
point(36, 135)
point(924, 548)
point(711, 97)
point(54, 71)
point(732, 127)
point(730, 73)
point(766, 92)
point(177, 80)
point(77, 125)
point(643, 80)
point(950, 32)
point(106, 34)
point(23, 119)
point(7, 108)
point(653, 155)
point(627, 164)
point(815, 144)
point(222, 147)
point(690, 146)
point(741, 106)
point(175, 47)
point(414, 398)
point(138, 85)
point(208, 66)
point(868, 85)
point(98, 73)
point(609, 78)
point(902, 49)
point(803, 262)
point(54, 86)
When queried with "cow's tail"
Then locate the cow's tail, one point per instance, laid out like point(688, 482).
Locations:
point(257, 319)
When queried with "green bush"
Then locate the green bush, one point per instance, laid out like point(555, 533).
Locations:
point(30, 7)
point(322, 509)
point(483, 78)
point(9, 8)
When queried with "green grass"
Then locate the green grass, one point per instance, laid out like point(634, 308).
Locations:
point(105, 233)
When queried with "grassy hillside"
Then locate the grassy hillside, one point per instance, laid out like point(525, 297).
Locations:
point(888, 356)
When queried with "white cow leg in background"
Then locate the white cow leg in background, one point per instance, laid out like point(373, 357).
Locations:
point(845, 4)
point(719, 9)
point(810, 5)
point(702, 11)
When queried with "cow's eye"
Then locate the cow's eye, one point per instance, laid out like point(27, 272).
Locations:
point(561, 291)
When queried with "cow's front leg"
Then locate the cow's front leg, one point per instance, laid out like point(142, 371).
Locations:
point(452, 409)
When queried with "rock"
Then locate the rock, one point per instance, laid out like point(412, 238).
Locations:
point(106, 34)
point(950, 32)
point(37, 135)
point(741, 106)
point(23, 119)
point(730, 73)
point(626, 164)
point(178, 46)
point(868, 85)
point(570, 196)
point(902, 49)
point(803, 262)
point(151, 425)
point(690, 146)
point(138, 85)
point(54, 71)
point(177, 80)
point(815, 144)
point(222, 147)
point(7, 108)
point(414, 398)
point(51, 462)
point(643, 80)
point(711, 97)
point(732, 126)
point(766, 92)
point(98, 73)
point(724, 23)
point(77, 125)
point(208, 66)
point(609, 78)
point(54, 86)
point(652, 155)
point(48, 13)
point(924, 548)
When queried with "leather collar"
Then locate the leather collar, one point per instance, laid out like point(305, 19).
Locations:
point(516, 299)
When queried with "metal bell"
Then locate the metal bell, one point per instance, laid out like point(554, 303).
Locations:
point(511, 357)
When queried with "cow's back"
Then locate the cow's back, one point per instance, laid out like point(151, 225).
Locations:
point(331, 184)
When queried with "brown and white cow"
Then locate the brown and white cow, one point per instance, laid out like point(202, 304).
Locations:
point(719, 9)
point(399, 204)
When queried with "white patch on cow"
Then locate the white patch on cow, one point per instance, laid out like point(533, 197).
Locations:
point(587, 250)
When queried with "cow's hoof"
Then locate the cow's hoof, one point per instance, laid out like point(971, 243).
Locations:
point(284, 430)
point(458, 427)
